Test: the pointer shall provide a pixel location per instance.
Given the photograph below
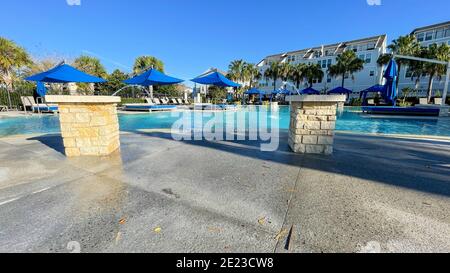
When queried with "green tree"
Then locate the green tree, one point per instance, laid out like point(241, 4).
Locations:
point(346, 63)
point(114, 82)
point(273, 73)
point(144, 63)
point(252, 74)
point(12, 58)
point(217, 93)
point(297, 74)
point(313, 72)
point(237, 71)
point(404, 45)
point(433, 70)
point(285, 71)
point(92, 66)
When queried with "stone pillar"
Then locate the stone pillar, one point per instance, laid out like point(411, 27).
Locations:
point(313, 121)
point(89, 124)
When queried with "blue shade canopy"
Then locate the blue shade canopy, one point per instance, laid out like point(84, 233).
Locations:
point(40, 89)
point(152, 77)
point(376, 88)
point(64, 74)
point(340, 90)
point(310, 91)
point(255, 91)
point(216, 79)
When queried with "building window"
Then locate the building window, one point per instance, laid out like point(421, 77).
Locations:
point(420, 37)
point(362, 57)
point(439, 33)
point(328, 79)
point(371, 46)
point(368, 58)
point(429, 36)
point(408, 73)
point(447, 32)
point(324, 64)
point(329, 63)
point(372, 73)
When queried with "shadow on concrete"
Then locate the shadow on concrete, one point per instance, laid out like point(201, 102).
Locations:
point(416, 164)
point(53, 141)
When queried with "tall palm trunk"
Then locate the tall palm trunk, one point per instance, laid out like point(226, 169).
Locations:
point(9, 88)
point(430, 87)
point(343, 80)
point(399, 66)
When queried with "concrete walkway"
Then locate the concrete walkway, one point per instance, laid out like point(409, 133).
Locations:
point(160, 195)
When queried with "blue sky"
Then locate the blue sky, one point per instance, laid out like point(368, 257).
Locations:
point(191, 36)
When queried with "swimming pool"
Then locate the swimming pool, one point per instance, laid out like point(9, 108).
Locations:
point(351, 120)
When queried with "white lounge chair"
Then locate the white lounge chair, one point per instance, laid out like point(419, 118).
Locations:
point(156, 101)
point(438, 101)
point(148, 107)
point(174, 101)
point(3, 108)
point(28, 102)
point(180, 102)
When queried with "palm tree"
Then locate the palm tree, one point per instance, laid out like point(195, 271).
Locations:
point(313, 72)
point(285, 71)
point(12, 57)
point(144, 63)
point(404, 45)
point(346, 62)
point(297, 74)
point(274, 73)
point(90, 65)
point(433, 70)
point(252, 73)
point(236, 71)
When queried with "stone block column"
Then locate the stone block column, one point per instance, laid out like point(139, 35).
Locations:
point(313, 122)
point(89, 124)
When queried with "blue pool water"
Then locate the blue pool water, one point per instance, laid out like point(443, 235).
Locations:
point(350, 120)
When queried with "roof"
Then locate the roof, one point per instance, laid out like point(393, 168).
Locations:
point(380, 39)
point(431, 26)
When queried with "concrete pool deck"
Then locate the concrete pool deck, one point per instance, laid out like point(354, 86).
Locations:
point(160, 195)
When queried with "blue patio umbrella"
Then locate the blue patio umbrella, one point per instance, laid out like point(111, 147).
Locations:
point(257, 92)
point(216, 79)
point(340, 90)
point(40, 89)
point(64, 74)
point(310, 91)
point(152, 77)
point(391, 75)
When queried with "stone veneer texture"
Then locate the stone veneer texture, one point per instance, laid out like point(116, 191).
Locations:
point(89, 129)
point(312, 126)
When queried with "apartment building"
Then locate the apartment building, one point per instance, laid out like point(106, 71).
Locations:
point(426, 36)
point(368, 49)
